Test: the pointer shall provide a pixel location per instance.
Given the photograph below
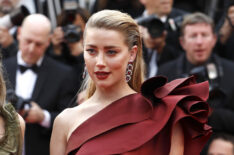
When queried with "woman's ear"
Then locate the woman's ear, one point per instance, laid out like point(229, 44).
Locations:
point(133, 53)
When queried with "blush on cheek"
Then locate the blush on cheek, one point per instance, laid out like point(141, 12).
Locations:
point(120, 68)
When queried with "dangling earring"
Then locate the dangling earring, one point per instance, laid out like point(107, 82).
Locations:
point(129, 71)
point(84, 73)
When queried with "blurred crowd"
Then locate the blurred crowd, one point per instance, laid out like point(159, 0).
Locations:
point(41, 44)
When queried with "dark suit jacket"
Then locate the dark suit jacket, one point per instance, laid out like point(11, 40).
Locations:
point(166, 55)
point(173, 36)
point(54, 89)
point(222, 117)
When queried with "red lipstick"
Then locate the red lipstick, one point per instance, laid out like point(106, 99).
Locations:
point(101, 75)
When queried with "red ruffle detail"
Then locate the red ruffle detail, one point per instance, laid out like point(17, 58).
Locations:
point(183, 100)
point(139, 124)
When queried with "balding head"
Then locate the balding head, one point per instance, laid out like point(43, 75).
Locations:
point(34, 37)
point(37, 22)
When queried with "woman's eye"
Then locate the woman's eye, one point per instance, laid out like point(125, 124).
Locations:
point(91, 51)
point(111, 52)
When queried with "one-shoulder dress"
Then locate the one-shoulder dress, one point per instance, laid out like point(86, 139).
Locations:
point(141, 123)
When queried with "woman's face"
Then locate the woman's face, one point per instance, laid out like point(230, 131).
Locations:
point(106, 57)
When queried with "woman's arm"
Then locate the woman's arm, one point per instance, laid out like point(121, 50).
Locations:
point(22, 126)
point(177, 140)
point(58, 140)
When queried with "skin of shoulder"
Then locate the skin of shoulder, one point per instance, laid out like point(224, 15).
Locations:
point(177, 140)
point(2, 129)
point(22, 125)
point(60, 131)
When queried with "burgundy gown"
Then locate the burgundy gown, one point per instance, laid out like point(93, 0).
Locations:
point(141, 124)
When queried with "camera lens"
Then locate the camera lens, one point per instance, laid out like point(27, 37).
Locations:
point(72, 33)
point(155, 28)
point(154, 25)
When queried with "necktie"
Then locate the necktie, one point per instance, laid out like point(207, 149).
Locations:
point(34, 68)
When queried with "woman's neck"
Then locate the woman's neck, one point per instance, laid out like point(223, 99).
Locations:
point(106, 96)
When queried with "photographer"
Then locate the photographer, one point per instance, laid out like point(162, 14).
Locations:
point(226, 32)
point(10, 16)
point(170, 16)
point(198, 39)
point(67, 38)
point(156, 51)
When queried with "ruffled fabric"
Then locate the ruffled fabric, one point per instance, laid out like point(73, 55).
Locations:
point(142, 123)
point(11, 143)
point(182, 100)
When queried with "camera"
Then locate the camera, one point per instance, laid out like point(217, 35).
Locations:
point(211, 73)
point(174, 24)
point(153, 24)
point(18, 102)
point(72, 33)
point(15, 18)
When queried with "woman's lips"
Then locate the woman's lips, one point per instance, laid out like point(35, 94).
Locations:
point(102, 75)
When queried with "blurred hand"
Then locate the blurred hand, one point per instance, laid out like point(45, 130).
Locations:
point(227, 27)
point(231, 15)
point(6, 38)
point(33, 115)
point(57, 36)
point(76, 48)
point(153, 43)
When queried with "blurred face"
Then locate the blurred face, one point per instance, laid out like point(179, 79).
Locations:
point(6, 6)
point(220, 147)
point(33, 44)
point(164, 6)
point(161, 7)
point(152, 43)
point(106, 57)
point(198, 42)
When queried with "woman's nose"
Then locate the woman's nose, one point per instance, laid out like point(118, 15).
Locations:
point(100, 59)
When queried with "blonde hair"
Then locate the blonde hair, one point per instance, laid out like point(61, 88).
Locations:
point(2, 87)
point(123, 23)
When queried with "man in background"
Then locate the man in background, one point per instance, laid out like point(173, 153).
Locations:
point(198, 39)
point(44, 84)
point(221, 144)
point(170, 16)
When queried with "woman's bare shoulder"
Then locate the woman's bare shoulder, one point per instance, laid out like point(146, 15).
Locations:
point(22, 124)
point(71, 117)
point(66, 116)
point(2, 127)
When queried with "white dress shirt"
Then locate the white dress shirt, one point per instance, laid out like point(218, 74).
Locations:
point(152, 67)
point(25, 83)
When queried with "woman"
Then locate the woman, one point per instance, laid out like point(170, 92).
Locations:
point(116, 118)
point(12, 125)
